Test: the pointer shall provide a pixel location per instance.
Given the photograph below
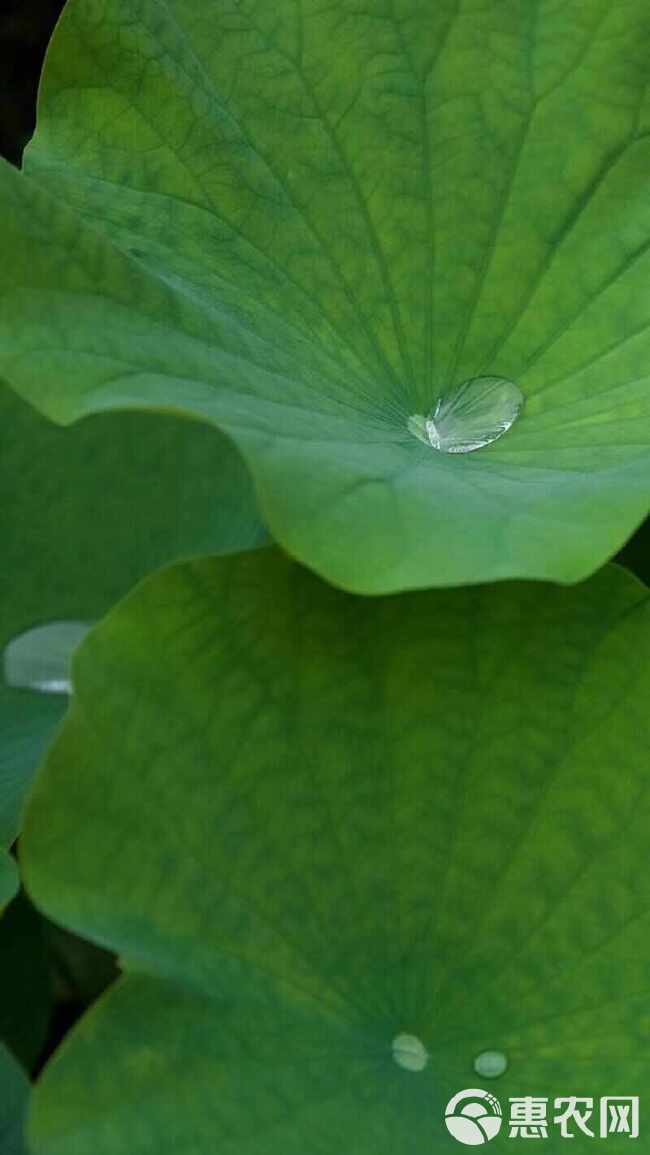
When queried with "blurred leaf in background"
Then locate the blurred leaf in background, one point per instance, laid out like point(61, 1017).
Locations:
point(86, 513)
point(14, 1091)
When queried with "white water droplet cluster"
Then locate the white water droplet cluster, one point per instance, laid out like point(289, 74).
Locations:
point(469, 416)
point(491, 1064)
point(410, 1053)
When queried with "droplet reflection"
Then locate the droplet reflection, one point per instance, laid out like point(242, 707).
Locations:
point(410, 1053)
point(469, 416)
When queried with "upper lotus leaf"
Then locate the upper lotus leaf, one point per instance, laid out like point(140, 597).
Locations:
point(307, 223)
point(312, 824)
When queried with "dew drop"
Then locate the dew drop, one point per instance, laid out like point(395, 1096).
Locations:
point(491, 1064)
point(410, 1053)
point(470, 415)
point(40, 658)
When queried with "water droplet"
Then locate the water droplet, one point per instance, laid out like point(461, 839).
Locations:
point(40, 658)
point(410, 1053)
point(469, 416)
point(491, 1064)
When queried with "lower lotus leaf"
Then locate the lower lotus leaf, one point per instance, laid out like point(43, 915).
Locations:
point(14, 1089)
point(356, 855)
point(87, 512)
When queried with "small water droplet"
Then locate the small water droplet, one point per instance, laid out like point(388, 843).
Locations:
point(40, 658)
point(469, 416)
point(410, 1053)
point(491, 1064)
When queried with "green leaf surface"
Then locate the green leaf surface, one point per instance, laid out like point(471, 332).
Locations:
point(305, 222)
point(14, 1089)
point(86, 513)
point(310, 823)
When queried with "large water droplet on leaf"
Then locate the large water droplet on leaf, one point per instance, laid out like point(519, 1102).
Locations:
point(409, 1053)
point(470, 415)
point(491, 1064)
point(40, 658)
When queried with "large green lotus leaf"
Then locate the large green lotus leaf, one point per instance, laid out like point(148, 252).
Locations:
point(86, 513)
point(305, 222)
point(310, 823)
point(14, 1089)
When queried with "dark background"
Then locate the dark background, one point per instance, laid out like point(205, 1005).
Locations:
point(25, 29)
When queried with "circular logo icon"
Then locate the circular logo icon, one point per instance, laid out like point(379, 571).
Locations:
point(473, 1117)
